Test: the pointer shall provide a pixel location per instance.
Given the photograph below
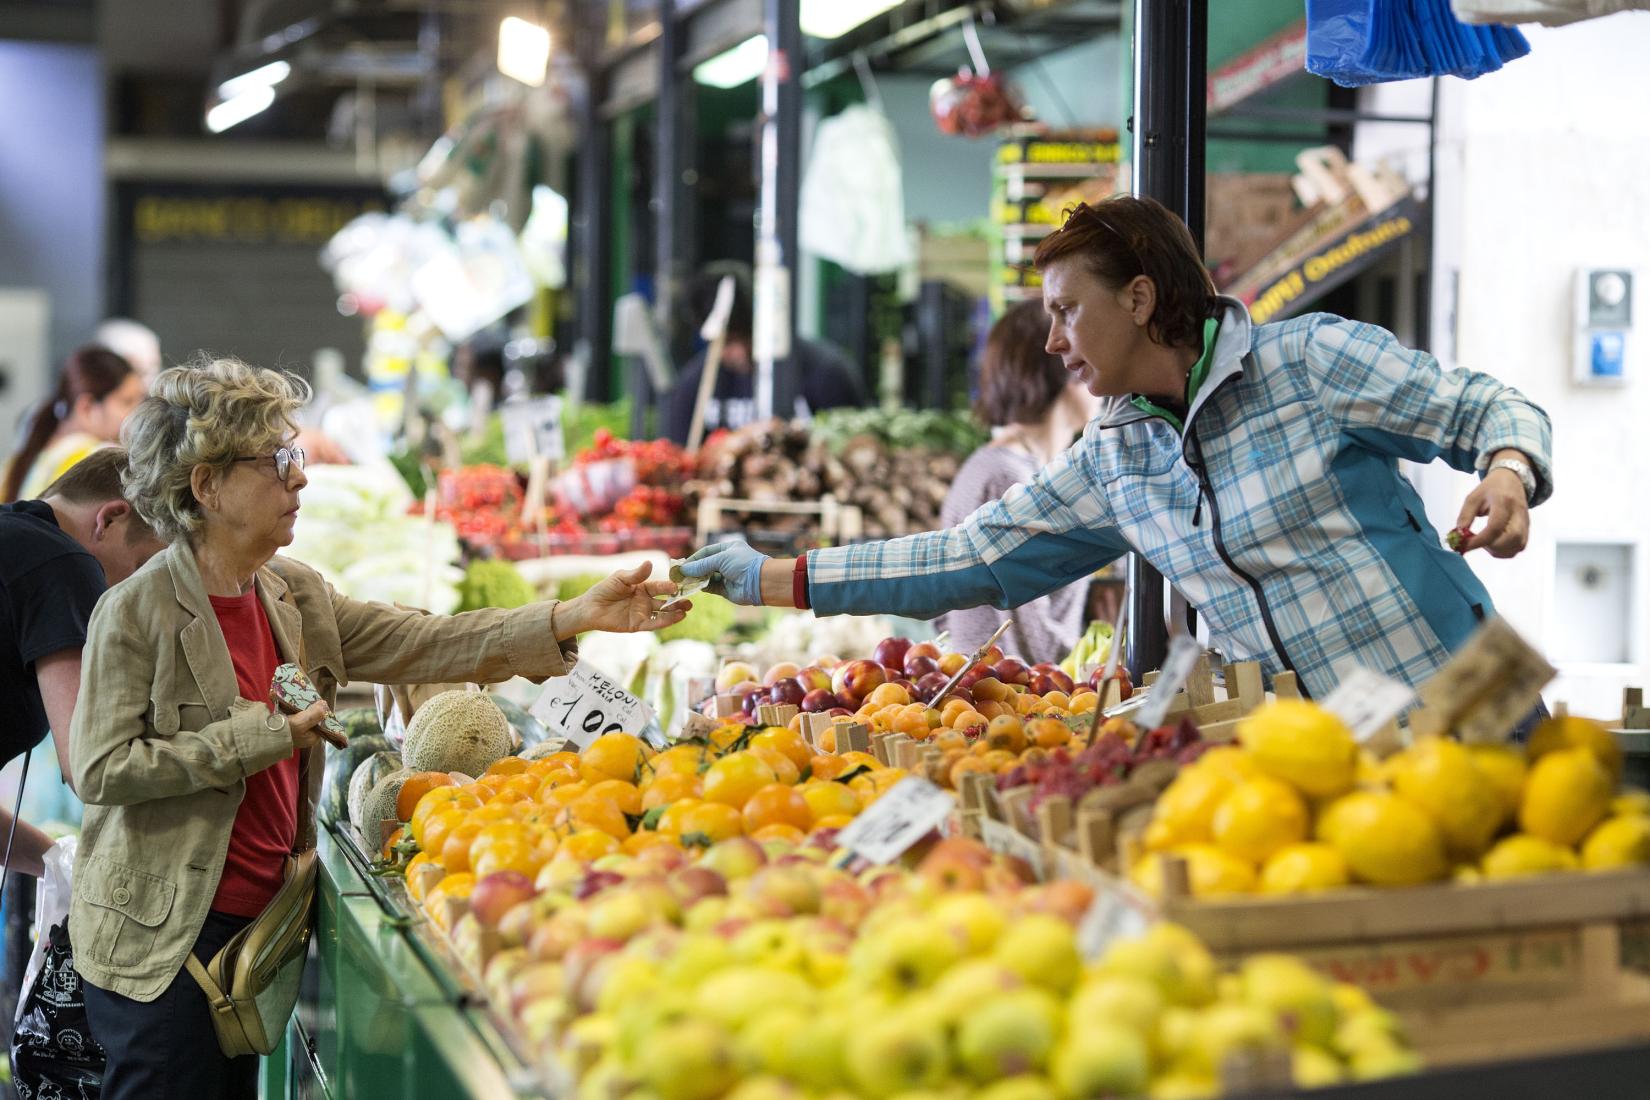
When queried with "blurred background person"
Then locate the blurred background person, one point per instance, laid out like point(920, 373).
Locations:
point(1034, 410)
point(95, 393)
point(134, 342)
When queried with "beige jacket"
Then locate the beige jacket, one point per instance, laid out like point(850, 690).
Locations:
point(162, 743)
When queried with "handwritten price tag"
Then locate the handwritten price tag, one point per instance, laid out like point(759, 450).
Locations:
point(1183, 654)
point(1116, 913)
point(1490, 685)
point(532, 429)
point(585, 704)
point(910, 810)
point(1366, 701)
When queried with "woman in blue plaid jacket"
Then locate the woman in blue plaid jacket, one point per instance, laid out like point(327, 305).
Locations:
point(1255, 466)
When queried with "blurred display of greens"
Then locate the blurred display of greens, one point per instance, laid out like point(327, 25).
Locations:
point(492, 583)
point(712, 619)
point(903, 429)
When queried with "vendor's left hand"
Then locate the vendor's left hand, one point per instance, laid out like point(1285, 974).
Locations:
point(624, 603)
point(1500, 496)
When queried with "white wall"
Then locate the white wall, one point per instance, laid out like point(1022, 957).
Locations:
point(1544, 167)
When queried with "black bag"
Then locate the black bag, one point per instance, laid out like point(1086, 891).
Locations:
point(53, 1054)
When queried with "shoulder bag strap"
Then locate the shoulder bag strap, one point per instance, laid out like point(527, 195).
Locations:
point(16, 814)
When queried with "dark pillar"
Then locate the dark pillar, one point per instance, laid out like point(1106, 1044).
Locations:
point(776, 247)
point(592, 239)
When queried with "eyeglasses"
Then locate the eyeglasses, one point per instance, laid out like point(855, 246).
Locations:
point(285, 459)
point(1084, 209)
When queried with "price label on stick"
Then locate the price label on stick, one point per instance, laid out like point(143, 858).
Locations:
point(585, 704)
point(533, 428)
point(1116, 913)
point(910, 810)
point(1366, 701)
point(1183, 654)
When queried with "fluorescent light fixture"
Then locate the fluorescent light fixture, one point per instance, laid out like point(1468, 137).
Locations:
point(523, 50)
point(835, 18)
point(264, 76)
point(237, 110)
point(731, 68)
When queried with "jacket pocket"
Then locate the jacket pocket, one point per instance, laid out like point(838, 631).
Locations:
point(131, 906)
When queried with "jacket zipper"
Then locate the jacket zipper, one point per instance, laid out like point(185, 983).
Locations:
point(1206, 490)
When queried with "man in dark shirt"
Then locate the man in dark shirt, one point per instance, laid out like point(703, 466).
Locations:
point(56, 556)
point(828, 380)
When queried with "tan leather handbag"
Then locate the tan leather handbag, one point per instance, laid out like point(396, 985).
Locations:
point(252, 983)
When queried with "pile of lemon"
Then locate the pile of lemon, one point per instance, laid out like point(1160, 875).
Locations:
point(1298, 806)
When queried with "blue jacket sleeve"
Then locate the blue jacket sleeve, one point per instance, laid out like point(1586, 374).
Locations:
point(1039, 537)
point(1398, 401)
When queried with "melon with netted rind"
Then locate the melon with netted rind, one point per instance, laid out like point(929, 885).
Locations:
point(379, 805)
point(457, 731)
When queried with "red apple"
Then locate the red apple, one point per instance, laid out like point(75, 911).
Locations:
point(784, 890)
point(853, 681)
point(923, 649)
point(784, 670)
point(974, 675)
point(556, 936)
point(661, 858)
point(839, 712)
point(497, 894)
point(818, 701)
point(993, 654)
point(689, 884)
point(917, 666)
point(594, 882)
point(1044, 682)
point(814, 678)
point(890, 652)
point(786, 693)
point(1012, 671)
point(930, 685)
point(1121, 676)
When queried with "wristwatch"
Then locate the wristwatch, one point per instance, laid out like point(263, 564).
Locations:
point(1525, 475)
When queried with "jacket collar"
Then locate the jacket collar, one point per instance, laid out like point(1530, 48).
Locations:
point(202, 638)
point(1232, 346)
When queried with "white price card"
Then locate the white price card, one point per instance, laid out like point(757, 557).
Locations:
point(1117, 912)
point(910, 810)
point(585, 704)
point(1366, 701)
point(1184, 651)
point(1490, 685)
point(532, 429)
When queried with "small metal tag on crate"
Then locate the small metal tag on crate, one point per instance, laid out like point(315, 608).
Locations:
point(910, 810)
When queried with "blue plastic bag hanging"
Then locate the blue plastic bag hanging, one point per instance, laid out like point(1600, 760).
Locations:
point(1356, 42)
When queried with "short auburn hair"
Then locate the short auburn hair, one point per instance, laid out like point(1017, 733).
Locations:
point(1018, 379)
point(1123, 237)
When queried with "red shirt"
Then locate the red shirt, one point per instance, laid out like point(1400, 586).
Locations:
point(268, 817)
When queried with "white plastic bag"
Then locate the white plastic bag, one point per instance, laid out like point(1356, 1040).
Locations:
point(853, 202)
point(51, 906)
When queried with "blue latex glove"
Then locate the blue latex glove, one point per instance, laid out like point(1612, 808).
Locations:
point(734, 569)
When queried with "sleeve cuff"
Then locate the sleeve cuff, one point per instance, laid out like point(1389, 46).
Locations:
point(532, 648)
point(256, 744)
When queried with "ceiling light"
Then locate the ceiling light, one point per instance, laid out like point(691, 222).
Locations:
point(835, 18)
point(523, 50)
point(731, 68)
point(239, 109)
point(265, 76)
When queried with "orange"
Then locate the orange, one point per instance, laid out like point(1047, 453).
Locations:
point(671, 820)
point(1006, 733)
point(885, 694)
point(612, 756)
point(829, 799)
point(1048, 733)
point(508, 857)
point(555, 760)
point(669, 788)
point(678, 760)
point(784, 769)
point(552, 795)
point(779, 831)
point(492, 784)
point(735, 777)
point(507, 809)
point(559, 777)
point(645, 839)
point(826, 766)
point(873, 785)
point(509, 833)
point(437, 829)
point(509, 765)
point(852, 760)
point(510, 797)
point(626, 796)
point(725, 735)
point(455, 850)
point(587, 845)
point(415, 787)
point(458, 886)
point(437, 801)
point(776, 804)
point(787, 741)
point(593, 812)
point(834, 821)
point(415, 881)
point(386, 852)
point(711, 821)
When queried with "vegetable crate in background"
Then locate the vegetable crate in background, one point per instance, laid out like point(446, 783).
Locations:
point(785, 526)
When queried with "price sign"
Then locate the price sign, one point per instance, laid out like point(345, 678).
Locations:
point(1116, 913)
point(1183, 654)
point(1366, 701)
point(910, 810)
point(1490, 685)
point(585, 704)
point(532, 429)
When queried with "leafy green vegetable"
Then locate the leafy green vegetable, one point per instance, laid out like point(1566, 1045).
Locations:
point(710, 620)
point(492, 583)
point(572, 587)
point(579, 427)
point(489, 449)
point(904, 429)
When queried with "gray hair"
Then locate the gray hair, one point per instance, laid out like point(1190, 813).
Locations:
point(208, 411)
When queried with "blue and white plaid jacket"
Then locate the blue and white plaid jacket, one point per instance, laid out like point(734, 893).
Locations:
point(1279, 513)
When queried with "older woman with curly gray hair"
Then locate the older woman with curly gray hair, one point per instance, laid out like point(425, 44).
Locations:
point(191, 777)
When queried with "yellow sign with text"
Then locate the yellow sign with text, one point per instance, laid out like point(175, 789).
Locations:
point(242, 219)
point(1288, 288)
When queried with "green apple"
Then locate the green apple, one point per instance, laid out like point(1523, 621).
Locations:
point(1313, 1068)
point(763, 1045)
point(1023, 1087)
point(898, 1052)
point(1008, 1035)
point(1118, 999)
point(1227, 1029)
point(687, 1060)
point(1042, 949)
point(1291, 989)
point(975, 919)
point(734, 997)
point(1101, 1060)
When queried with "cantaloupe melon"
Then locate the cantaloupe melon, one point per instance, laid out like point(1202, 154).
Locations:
point(457, 731)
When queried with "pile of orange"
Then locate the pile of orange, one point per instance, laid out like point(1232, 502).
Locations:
point(620, 796)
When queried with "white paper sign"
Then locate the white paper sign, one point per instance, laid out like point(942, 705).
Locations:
point(1184, 651)
point(910, 810)
point(1116, 913)
point(532, 429)
point(1366, 701)
point(585, 704)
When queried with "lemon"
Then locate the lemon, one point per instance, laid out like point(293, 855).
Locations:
point(1228, 760)
point(1569, 732)
point(1618, 842)
point(1186, 808)
point(1439, 777)
point(1384, 840)
point(1568, 792)
point(1259, 817)
point(1300, 868)
point(1630, 801)
point(1522, 854)
point(1506, 768)
point(1213, 872)
point(1303, 745)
